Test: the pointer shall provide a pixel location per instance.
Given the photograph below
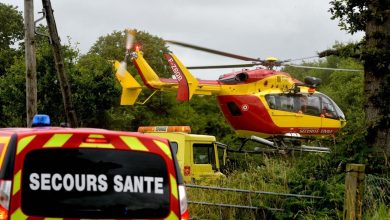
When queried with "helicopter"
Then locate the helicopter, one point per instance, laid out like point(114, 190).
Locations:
point(260, 104)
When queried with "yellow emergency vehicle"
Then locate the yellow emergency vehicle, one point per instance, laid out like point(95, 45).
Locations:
point(199, 156)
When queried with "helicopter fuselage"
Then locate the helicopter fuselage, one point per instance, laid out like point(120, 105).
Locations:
point(251, 115)
point(266, 103)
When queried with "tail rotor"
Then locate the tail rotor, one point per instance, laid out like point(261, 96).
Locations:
point(129, 44)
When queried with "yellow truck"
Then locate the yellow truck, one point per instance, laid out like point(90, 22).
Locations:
point(199, 156)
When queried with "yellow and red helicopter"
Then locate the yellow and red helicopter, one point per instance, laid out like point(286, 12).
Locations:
point(260, 104)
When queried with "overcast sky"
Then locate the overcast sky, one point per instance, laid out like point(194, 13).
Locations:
point(284, 29)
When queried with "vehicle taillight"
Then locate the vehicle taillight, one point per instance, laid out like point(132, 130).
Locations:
point(96, 140)
point(3, 213)
point(183, 203)
point(5, 193)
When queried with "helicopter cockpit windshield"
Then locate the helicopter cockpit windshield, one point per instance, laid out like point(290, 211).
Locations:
point(337, 109)
point(316, 104)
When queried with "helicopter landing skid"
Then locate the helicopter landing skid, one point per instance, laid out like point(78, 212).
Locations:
point(280, 144)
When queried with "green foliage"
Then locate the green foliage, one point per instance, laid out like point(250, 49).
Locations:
point(271, 175)
point(95, 91)
point(318, 175)
point(308, 174)
point(373, 18)
point(351, 13)
point(12, 95)
point(111, 46)
point(11, 31)
point(204, 117)
point(383, 212)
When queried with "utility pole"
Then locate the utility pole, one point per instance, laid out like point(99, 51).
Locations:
point(59, 61)
point(31, 63)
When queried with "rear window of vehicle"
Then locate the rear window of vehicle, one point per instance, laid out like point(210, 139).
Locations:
point(95, 183)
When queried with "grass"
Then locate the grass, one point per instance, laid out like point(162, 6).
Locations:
point(319, 175)
point(381, 213)
point(265, 175)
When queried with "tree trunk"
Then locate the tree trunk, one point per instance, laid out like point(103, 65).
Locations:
point(31, 63)
point(376, 57)
point(58, 58)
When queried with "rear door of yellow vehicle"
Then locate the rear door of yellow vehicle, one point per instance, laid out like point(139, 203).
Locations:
point(93, 174)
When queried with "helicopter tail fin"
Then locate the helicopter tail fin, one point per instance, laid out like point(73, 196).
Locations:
point(187, 82)
point(149, 77)
point(130, 87)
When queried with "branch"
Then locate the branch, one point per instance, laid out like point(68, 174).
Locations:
point(352, 50)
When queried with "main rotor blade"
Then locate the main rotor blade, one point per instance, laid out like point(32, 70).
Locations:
point(323, 68)
point(130, 38)
point(223, 66)
point(235, 56)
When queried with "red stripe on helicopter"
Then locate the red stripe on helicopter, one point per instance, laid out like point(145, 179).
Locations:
point(247, 114)
point(253, 115)
point(183, 93)
point(146, 83)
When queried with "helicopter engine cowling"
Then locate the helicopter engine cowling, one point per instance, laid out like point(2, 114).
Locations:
point(233, 79)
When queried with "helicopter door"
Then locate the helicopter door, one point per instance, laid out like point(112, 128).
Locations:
point(310, 110)
point(332, 116)
point(328, 110)
point(283, 109)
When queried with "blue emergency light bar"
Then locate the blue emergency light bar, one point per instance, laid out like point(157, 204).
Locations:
point(40, 120)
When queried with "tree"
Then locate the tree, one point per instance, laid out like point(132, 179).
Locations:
point(13, 85)
point(95, 91)
point(372, 17)
point(11, 31)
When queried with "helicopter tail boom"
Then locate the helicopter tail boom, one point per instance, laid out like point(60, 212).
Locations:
point(149, 77)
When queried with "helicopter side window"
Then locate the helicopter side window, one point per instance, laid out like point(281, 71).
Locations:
point(297, 103)
point(287, 103)
point(271, 101)
point(328, 109)
point(302, 104)
point(313, 106)
point(234, 109)
point(290, 103)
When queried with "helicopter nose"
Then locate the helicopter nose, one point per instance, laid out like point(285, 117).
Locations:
point(343, 122)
